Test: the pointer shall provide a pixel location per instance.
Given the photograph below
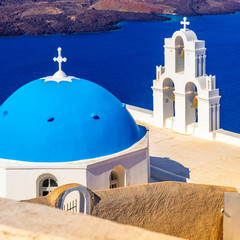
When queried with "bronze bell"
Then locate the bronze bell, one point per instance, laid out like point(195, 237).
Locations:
point(195, 103)
point(182, 54)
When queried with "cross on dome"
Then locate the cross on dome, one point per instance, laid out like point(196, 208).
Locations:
point(184, 23)
point(59, 59)
point(59, 76)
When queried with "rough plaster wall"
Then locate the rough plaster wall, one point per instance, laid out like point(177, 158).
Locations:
point(185, 210)
point(25, 221)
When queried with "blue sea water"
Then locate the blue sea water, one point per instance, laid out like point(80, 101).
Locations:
point(124, 61)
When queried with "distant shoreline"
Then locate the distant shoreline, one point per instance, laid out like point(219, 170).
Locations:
point(89, 16)
point(96, 22)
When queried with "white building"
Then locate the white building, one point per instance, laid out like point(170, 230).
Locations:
point(185, 99)
point(60, 129)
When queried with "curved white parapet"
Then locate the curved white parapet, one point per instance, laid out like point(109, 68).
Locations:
point(75, 199)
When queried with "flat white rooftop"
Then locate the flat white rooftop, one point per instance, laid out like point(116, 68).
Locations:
point(203, 161)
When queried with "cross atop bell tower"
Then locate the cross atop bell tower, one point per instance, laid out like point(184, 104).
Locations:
point(184, 23)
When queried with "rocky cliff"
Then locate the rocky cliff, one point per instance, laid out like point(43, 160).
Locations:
point(51, 17)
point(34, 17)
point(180, 7)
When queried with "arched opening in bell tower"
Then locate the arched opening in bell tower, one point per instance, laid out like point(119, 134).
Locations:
point(168, 102)
point(179, 56)
point(191, 94)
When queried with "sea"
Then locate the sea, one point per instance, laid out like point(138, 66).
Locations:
point(124, 61)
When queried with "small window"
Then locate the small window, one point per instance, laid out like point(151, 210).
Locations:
point(114, 181)
point(46, 186)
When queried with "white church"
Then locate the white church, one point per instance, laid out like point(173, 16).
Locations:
point(62, 129)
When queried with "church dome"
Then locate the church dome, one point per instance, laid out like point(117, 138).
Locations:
point(58, 121)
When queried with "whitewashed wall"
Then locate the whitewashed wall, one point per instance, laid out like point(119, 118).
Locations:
point(22, 183)
point(134, 163)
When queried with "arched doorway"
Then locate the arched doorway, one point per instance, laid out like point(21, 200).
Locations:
point(191, 103)
point(168, 103)
point(74, 202)
point(117, 177)
point(179, 55)
point(75, 199)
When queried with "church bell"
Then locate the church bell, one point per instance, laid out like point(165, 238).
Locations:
point(195, 103)
point(182, 54)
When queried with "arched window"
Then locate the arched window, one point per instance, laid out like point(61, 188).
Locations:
point(114, 180)
point(47, 185)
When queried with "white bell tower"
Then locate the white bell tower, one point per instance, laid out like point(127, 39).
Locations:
point(185, 99)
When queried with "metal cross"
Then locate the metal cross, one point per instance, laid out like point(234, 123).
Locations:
point(184, 23)
point(59, 59)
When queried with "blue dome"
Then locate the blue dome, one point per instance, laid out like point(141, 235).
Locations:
point(65, 121)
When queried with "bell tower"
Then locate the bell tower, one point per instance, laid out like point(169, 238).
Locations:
point(185, 99)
